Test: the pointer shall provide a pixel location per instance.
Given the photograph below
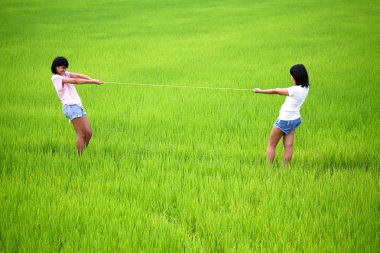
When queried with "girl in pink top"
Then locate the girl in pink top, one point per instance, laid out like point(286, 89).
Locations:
point(71, 103)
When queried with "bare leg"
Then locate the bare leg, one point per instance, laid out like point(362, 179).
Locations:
point(274, 138)
point(83, 133)
point(288, 147)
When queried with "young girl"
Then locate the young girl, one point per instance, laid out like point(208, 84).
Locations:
point(289, 118)
point(72, 105)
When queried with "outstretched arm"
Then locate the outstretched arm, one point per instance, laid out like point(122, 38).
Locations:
point(81, 81)
point(78, 75)
point(278, 91)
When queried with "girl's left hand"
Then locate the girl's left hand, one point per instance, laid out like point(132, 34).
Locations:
point(256, 90)
point(98, 82)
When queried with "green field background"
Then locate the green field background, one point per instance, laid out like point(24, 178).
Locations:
point(173, 169)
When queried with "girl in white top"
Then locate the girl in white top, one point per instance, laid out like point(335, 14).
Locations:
point(71, 103)
point(289, 118)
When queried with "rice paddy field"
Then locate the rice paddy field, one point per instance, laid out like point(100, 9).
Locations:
point(183, 170)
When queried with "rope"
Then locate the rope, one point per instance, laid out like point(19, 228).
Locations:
point(178, 86)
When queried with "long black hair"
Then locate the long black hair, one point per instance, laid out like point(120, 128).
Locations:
point(299, 74)
point(59, 61)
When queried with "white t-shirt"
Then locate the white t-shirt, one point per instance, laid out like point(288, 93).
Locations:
point(66, 92)
point(290, 110)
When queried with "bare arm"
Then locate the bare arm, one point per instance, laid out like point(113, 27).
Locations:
point(80, 81)
point(278, 91)
point(78, 75)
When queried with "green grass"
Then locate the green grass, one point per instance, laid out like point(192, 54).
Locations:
point(183, 169)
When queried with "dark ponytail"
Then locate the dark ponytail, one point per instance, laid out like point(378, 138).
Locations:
point(299, 74)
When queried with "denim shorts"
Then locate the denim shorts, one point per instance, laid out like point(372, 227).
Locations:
point(73, 111)
point(287, 125)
